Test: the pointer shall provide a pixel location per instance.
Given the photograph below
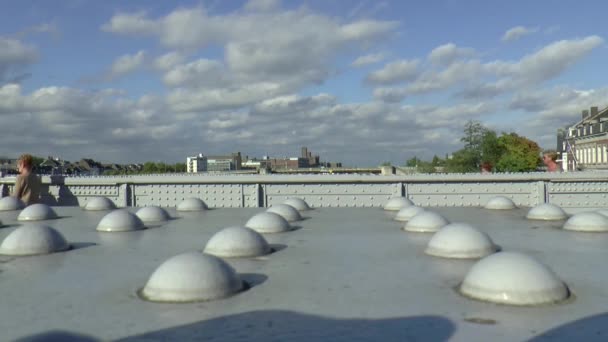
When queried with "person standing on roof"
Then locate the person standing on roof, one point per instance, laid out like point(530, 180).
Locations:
point(27, 186)
point(549, 159)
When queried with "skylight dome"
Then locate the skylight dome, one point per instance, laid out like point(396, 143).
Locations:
point(120, 221)
point(266, 222)
point(297, 203)
point(99, 203)
point(407, 213)
point(37, 212)
point(460, 241)
point(192, 277)
point(192, 204)
point(235, 242)
point(11, 203)
point(547, 212)
point(500, 203)
point(152, 214)
point(425, 222)
point(33, 239)
point(397, 203)
point(288, 212)
point(587, 222)
point(514, 279)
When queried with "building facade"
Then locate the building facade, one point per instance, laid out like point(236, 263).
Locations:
point(584, 145)
point(196, 164)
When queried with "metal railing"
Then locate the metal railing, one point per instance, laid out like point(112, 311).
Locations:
point(570, 190)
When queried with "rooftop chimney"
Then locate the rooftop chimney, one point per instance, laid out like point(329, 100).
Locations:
point(585, 114)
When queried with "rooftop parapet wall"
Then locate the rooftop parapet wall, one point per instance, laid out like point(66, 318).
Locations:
point(569, 190)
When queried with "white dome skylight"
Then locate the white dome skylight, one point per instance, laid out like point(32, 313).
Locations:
point(153, 214)
point(99, 203)
point(397, 203)
point(11, 203)
point(407, 213)
point(120, 221)
point(297, 203)
point(587, 222)
point(266, 222)
point(514, 279)
point(234, 242)
point(460, 241)
point(288, 212)
point(33, 239)
point(547, 212)
point(192, 204)
point(192, 277)
point(37, 212)
point(425, 222)
point(500, 203)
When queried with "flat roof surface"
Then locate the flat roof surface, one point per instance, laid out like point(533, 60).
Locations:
point(347, 274)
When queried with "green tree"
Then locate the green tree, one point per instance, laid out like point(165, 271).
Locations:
point(520, 154)
point(180, 167)
point(412, 162)
point(462, 161)
point(150, 167)
point(437, 161)
point(473, 135)
point(491, 149)
point(425, 167)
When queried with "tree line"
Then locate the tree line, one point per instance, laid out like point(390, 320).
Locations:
point(483, 147)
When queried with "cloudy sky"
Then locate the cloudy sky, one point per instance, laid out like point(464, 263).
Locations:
point(359, 81)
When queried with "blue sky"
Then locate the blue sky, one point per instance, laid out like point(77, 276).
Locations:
point(360, 82)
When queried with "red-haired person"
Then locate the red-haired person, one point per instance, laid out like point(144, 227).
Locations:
point(486, 167)
point(27, 186)
point(549, 159)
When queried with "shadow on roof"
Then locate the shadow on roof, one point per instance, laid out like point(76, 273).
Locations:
point(588, 329)
point(57, 335)
point(279, 325)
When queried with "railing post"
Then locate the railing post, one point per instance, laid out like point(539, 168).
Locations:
point(123, 195)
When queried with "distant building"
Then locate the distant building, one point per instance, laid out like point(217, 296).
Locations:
point(224, 163)
point(255, 163)
point(313, 161)
point(203, 163)
point(8, 166)
point(196, 164)
point(584, 145)
point(288, 163)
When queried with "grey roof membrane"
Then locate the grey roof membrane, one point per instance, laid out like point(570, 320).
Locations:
point(345, 275)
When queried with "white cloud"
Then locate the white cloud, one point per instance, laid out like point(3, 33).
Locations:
point(552, 108)
point(212, 99)
point(194, 28)
point(14, 55)
point(553, 59)
point(368, 59)
point(448, 53)
point(127, 63)
point(517, 32)
point(395, 72)
point(198, 73)
point(169, 60)
point(131, 24)
point(480, 80)
point(262, 5)
point(457, 73)
point(387, 94)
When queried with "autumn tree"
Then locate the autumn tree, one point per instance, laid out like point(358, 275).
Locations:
point(520, 154)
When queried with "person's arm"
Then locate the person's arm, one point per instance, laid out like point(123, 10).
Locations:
point(18, 192)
